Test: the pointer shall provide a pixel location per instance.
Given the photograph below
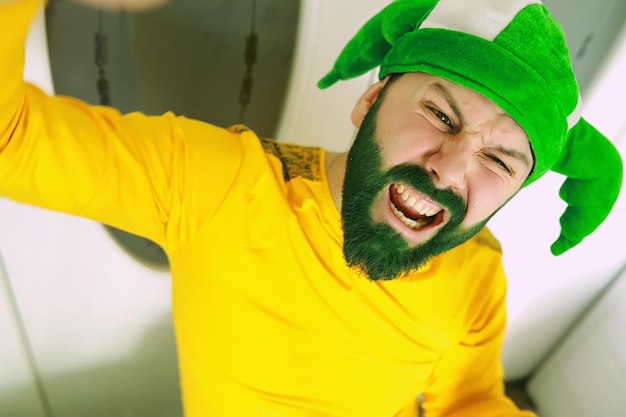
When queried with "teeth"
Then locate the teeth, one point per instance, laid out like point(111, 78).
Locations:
point(412, 202)
point(409, 222)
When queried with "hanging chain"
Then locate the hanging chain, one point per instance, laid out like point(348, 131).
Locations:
point(250, 56)
point(102, 59)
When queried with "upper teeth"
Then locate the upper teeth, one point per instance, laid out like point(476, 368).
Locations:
point(412, 202)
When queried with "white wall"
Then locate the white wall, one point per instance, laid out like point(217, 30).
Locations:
point(547, 293)
point(18, 388)
point(585, 375)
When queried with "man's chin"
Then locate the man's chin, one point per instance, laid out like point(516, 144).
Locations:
point(379, 252)
point(383, 254)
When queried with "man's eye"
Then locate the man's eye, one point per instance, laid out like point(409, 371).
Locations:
point(442, 116)
point(499, 163)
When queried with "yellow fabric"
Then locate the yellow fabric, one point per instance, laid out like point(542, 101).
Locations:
point(269, 320)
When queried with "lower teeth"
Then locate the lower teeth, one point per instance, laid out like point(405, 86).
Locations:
point(408, 222)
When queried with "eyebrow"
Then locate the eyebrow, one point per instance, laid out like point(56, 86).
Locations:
point(520, 156)
point(445, 93)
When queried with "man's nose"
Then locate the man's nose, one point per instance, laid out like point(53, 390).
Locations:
point(450, 164)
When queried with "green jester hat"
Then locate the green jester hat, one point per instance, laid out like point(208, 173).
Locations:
point(514, 53)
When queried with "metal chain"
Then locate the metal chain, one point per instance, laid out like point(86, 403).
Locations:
point(250, 56)
point(102, 59)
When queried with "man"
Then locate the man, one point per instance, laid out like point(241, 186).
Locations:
point(314, 284)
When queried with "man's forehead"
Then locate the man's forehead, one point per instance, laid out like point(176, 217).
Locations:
point(450, 89)
point(455, 93)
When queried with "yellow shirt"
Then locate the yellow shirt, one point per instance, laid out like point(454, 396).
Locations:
point(269, 320)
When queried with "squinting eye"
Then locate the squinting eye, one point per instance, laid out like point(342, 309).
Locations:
point(442, 116)
point(499, 162)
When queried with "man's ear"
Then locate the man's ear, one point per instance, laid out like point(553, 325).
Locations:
point(364, 103)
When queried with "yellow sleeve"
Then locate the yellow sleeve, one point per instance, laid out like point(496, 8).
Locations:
point(468, 380)
point(159, 177)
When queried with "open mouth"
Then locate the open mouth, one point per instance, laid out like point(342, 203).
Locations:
point(413, 209)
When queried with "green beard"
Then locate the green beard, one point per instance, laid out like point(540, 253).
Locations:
point(376, 249)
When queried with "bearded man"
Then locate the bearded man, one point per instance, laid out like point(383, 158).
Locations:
point(307, 283)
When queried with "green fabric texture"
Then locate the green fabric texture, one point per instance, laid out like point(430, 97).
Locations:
point(526, 71)
point(591, 166)
point(367, 49)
